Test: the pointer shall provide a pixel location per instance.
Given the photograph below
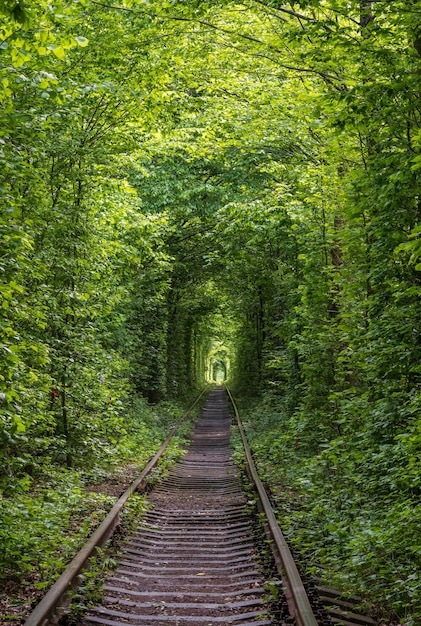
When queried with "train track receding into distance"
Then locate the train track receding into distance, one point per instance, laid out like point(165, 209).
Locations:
point(193, 560)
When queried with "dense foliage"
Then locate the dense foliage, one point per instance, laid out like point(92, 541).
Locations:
point(191, 187)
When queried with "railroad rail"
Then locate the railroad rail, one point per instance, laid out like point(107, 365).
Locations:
point(304, 603)
point(56, 600)
point(192, 560)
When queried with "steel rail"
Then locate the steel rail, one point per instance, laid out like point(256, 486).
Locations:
point(298, 601)
point(50, 602)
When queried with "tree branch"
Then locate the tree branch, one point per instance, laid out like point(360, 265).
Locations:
point(177, 18)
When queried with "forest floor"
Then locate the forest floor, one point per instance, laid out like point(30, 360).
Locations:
point(18, 596)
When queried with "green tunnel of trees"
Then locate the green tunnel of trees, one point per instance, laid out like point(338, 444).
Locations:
point(197, 187)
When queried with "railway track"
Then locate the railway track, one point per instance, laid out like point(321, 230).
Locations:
point(193, 562)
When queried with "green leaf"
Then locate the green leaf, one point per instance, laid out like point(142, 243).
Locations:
point(82, 41)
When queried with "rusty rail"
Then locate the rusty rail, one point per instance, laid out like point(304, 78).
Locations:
point(191, 560)
point(298, 601)
point(46, 608)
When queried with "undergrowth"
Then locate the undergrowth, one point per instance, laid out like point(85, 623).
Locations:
point(46, 518)
point(334, 509)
